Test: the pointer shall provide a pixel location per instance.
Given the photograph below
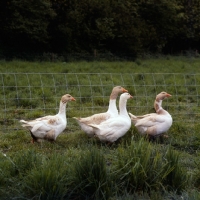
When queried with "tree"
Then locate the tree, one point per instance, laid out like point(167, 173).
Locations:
point(81, 25)
point(24, 24)
point(162, 18)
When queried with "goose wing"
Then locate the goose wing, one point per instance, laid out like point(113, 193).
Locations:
point(149, 120)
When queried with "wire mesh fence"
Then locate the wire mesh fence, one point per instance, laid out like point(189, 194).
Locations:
point(31, 95)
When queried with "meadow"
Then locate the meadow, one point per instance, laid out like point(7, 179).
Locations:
point(78, 167)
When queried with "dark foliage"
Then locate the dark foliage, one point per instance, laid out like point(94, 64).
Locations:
point(115, 28)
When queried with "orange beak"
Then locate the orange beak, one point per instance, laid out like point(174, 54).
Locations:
point(131, 97)
point(168, 95)
point(73, 99)
point(124, 90)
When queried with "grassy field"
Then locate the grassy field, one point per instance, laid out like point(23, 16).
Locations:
point(78, 167)
point(152, 65)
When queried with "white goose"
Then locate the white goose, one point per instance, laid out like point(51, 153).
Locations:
point(101, 117)
point(154, 124)
point(49, 127)
point(115, 127)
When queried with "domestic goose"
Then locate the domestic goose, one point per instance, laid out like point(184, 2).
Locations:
point(115, 127)
point(49, 127)
point(101, 117)
point(154, 124)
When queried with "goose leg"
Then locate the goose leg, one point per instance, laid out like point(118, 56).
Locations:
point(34, 139)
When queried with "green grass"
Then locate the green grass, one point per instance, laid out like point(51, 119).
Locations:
point(164, 64)
point(78, 167)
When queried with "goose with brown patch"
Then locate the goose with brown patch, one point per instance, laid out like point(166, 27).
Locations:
point(115, 127)
point(101, 117)
point(49, 127)
point(154, 124)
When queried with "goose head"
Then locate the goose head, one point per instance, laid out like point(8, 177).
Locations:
point(67, 97)
point(162, 96)
point(116, 91)
point(125, 96)
point(119, 89)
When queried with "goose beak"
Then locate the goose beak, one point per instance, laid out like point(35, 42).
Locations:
point(73, 99)
point(124, 90)
point(168, 95)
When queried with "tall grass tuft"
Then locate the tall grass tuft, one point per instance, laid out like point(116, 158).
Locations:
point(142, 167)
point(6, 169)
point(176, 178)
point(91, 178)
point(48, 180)
point(26, 160)
point(197, 176)
point(13, 169)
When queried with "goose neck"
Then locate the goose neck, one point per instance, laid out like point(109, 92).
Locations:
point(158, 105)
point(122, 107)
point(112, 104)
point(113, 95)
point(62, 108)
